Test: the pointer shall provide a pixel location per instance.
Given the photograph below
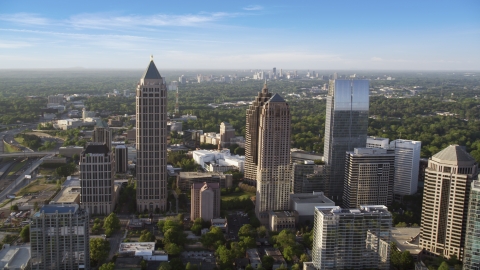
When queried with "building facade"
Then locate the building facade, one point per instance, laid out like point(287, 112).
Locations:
point(96, 179)
point(471, 257)
point(407, 164)
point(121, 158)
point(351, 239)
point(273, 170)
point(369, 174)
point(59, 238)
point(307, 177)
point(251, 134)
point(102, 134)
point(448, 178)
point(227, 133)
point(205, 201)
point(346, 126)
point(151, 128)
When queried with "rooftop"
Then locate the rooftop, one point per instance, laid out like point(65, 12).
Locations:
point(315, 197)
point(454, 154)
point(61, 209)
point(364, 209)
point(140, 247)
point(151, 73)
point(14, 257)
point(407, 239)
point(93, 148)
point(276, 98)
point(68, 195)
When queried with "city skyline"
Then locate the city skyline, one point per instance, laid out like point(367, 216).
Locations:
point(218, 35)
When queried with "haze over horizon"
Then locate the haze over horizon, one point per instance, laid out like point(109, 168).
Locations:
point(344, 35)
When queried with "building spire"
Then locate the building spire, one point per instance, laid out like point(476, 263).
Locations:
point(265, 88)
point(151, 57)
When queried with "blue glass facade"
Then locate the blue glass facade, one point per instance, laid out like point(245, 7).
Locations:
point(345, 128)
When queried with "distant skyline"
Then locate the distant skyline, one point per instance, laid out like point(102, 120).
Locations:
point(315, 35)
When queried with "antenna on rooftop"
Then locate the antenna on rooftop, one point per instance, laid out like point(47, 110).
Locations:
point(151, 57)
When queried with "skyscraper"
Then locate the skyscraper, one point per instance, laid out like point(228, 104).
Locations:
point(251, 134)
point(121, 158)
point(448, 178)
point(273, 170)
point(345, 128)
point(307, 177)
point(407, 164)
point(205, 201)
point(59, 238)
point(369, 176)
point(151, 141)
point(351, 238)
point(471, 258)
point(96, 179)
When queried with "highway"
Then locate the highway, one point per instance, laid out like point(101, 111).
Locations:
point(29, 154)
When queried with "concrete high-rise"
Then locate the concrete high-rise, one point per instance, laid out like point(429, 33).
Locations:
point(369, 178)
point(205, 201)
point(96, 179)
point(151, 114)
point(273, 170)
point(59, 238)
point(102, 134)
point(407, 164)
point(251, 135)
point(345, 128)
point(351, 238)
point(227, 132)
point(471, 257)
point(448, 178)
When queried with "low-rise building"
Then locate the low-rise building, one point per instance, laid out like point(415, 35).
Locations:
point(14, 257)
point(221, 223)
point(207, 158)
point(146, 250)
point(254, 257)
point(66, 124)
point(303, 205)
point(277, 256)
point(280, 220)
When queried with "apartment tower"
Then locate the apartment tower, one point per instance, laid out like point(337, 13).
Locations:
point(251, 135)
point(205, 201)
point(59, 238)
point(96, 179)
point(345, 128)
point(369, 178)
point(471, 257)
point(448, 179)
point(407, 165)
point(273, 170)
point(151, 114)
point(351, 238)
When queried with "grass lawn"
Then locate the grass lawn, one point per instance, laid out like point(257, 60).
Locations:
point(240, 195)
point(17, 167)
point(36, 186)
point(10, 149)
point(19, 140)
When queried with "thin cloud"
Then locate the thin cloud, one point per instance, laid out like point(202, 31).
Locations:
point(14, 45)
point(102, 21)
point(253, 7)
point(376, 59)
point(24, 18)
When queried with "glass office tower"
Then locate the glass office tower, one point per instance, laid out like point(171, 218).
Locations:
point(345, 128)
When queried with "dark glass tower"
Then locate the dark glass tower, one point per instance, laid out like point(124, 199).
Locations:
point(345, 128)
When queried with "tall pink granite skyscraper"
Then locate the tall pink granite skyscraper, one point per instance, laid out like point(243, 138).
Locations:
point(151, 113)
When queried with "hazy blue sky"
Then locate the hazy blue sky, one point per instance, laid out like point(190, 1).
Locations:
point(404, 35)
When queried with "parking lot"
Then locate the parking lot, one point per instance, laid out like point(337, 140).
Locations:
point(235, 221)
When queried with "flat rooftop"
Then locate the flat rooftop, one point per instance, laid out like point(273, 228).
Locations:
point(315, 197)
point(363, 210)
point(61, 209)
point(282, 214)
point(14, 257)
point(407, 239)
point(136, 247)
point(68, 195)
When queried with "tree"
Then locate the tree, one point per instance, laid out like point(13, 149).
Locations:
point(288, 253)
point(225, 257)
point(25, 234)
point(282, 267)
point(76, 158)
point(14, 207)
point(260, 267)
point(99, 249)
point(249, 267)
point(177, 263)
point(173, 249)
point(213, 238)
point(111, 224)
point(444, 266)
point(262, 231)
point(147, 236)
point(165, 266)
point(249, 242)
point(267, 262)
point(246, 230)
point(107, 266)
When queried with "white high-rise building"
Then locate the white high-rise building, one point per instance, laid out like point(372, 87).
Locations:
point(151, 97)
point(351, 238)
point(407, 164)
point(377, 142)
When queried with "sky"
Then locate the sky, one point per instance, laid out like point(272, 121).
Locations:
point(315, 35)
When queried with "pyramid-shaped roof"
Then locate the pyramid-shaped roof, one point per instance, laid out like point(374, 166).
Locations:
point(276, 98)
point(152, 72)
point(454, 153)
